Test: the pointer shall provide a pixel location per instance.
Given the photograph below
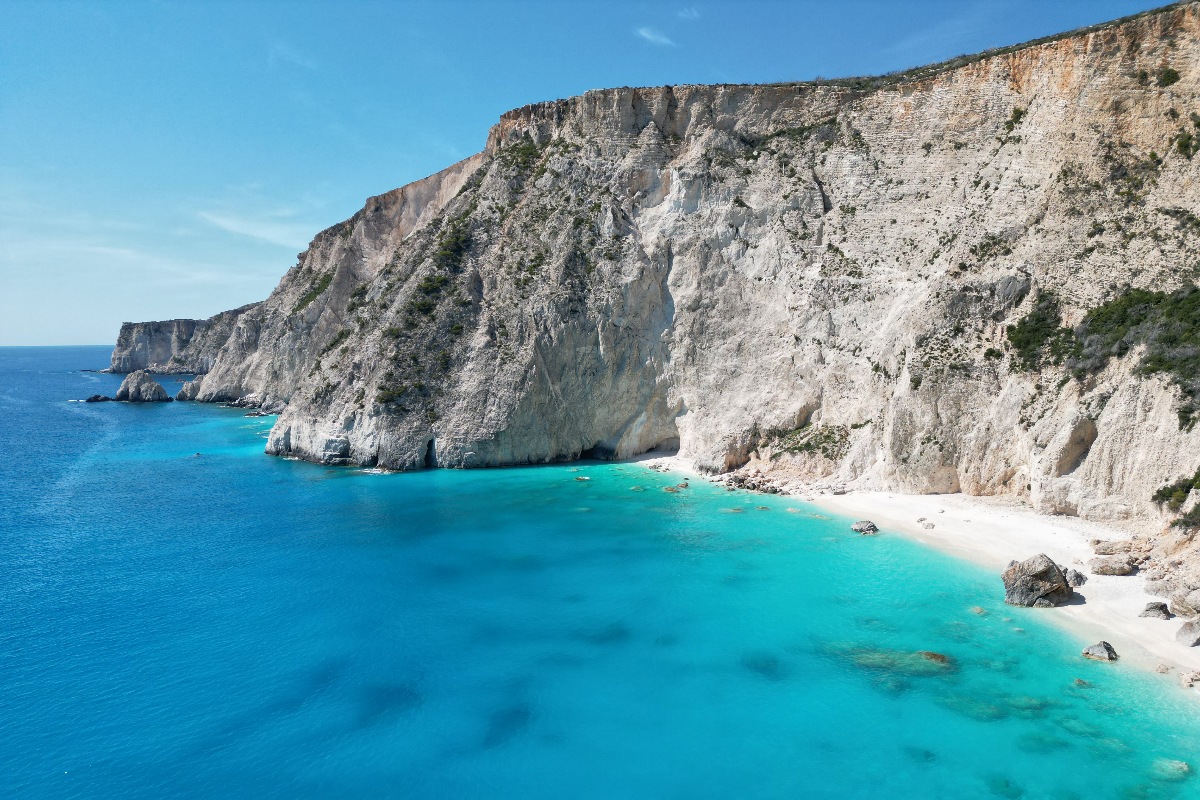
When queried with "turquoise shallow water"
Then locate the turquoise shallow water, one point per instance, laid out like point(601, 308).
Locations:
point(235, 625)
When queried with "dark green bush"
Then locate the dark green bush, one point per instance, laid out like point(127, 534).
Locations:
point(1167, 324)
point(1040, 334)
point(1166, 76)
point(316, 290)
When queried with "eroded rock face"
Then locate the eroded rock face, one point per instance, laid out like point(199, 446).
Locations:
point(139, 387)
point(177, 345)
point(1036, 582)
point(190, 389)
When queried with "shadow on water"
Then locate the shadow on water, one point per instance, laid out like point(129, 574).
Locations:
point(506, 723)
point(251, 719)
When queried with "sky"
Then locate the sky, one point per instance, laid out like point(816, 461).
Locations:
point(170, 159)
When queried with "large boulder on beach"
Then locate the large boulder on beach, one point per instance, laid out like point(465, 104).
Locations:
point(190, 389)
point(1157, 610)
point(1101, 651)
point(1112, 565)
point(865, 527)
point(1189, 634)
point(1185, 603)
point(1112, 548)
point(139, 387)
point(1036, 582)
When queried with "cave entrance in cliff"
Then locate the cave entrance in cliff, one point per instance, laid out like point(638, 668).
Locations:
point(431, 454)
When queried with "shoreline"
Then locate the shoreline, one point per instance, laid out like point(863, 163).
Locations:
point(991, 532)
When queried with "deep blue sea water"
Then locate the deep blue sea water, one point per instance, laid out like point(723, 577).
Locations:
point(234, 625)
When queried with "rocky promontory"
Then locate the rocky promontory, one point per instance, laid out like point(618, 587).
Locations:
point(952, 279)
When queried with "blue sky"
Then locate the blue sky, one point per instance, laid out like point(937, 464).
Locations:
point(170, 159)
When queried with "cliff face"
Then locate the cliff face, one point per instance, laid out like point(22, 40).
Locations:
point(819, 273)
point(177, 345)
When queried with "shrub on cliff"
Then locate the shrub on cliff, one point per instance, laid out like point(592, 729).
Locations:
point(1168, 325)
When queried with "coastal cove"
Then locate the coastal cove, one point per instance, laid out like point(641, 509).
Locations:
point(185, 614)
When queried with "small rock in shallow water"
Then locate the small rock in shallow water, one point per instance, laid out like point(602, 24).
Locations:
point(865, 527)
point(978, 610)
point(1082, 684)
point(98, 398)
point(1101, 651)
point(1157, 610)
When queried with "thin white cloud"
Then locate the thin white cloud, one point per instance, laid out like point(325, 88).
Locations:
point(282, 234)
point(283, 53)
point(654, 37)
point(691, 12)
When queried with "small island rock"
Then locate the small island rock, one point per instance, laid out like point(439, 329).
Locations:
point(1036, 582)
point(1101, 651)
point(865, 527)
point(139, 387)
point(98, 398)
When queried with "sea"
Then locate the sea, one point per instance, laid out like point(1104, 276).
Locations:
point(183, 616)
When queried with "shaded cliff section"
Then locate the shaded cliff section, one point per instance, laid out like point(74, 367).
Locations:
point(174, 346)
point(812, 277)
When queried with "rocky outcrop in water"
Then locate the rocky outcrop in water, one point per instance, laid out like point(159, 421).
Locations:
point(1036, 582)
point(865, 282)
point(139, 387)
point(190, 389)
point(1101, 651)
